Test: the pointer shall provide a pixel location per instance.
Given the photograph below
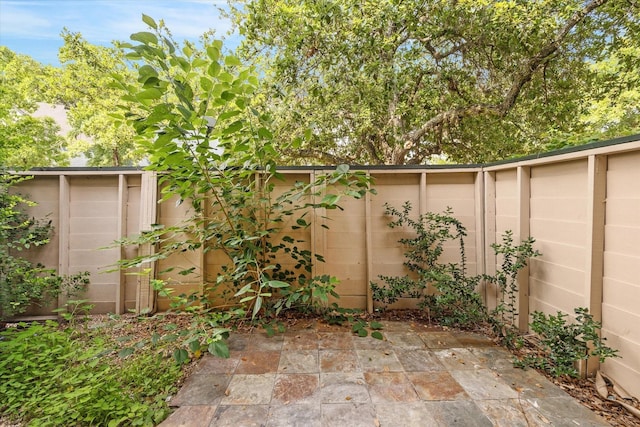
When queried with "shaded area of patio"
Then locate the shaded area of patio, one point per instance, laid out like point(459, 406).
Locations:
point(320, 375)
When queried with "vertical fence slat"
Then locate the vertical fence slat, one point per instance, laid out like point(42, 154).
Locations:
point(479, 222)
point(594, 269)
point(121, 232)
point(64, 203)
point(489, 233)
point(524, 201)
point(148, 211)
point(368, 232)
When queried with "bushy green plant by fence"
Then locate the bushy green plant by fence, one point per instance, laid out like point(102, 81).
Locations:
point(23, 282)
point(445, 289)
point(202, 131)
point(513, 259)
point(52, 377)
point(563, 343)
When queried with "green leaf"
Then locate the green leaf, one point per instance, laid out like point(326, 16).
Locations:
point(342, 169)
point(181, 356)
point(127, 351)
point(277, 284)
point(377, 335)
point(213, 53)
point(219, 348)
point(362, 332)
point(149, 21)
point(145, 37)
point(231, 61)
point(194, 346)
point(376, 325)
point(330, 199)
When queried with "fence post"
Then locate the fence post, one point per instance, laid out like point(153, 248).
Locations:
point(145, 295)
point(594, 268)
point(489, 236)
point(123, 196)
point(524, 202)
point(64, 203)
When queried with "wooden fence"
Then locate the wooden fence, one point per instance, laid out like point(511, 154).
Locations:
point(582, 206)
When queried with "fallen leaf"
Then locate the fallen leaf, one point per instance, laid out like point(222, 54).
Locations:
point(347, 398)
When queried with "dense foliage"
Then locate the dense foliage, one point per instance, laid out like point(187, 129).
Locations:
point(388, 82)
point(25, 141)
point(51, 376)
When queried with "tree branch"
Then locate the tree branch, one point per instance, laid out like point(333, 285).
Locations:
point(522, 77)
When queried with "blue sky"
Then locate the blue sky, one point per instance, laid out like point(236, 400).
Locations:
point(33, 27)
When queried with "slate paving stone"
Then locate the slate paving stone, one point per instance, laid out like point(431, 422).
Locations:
point(470, 339)
point(439, 340)
point(300, 340)
point(216, 365)
point(458, 413)
point(368, 343)
point(530, 383)
point(320, 375)
point(258, 362)
point(378, 360)
point(246, 416)
point(295, 388)
point(563, 412)
point(406, 415)
point(260, 341)
point(497, 358)
point(405, 340)
point(300, 361)
point(483, 384)
point(205, 389)
point(508, 413)
point(344, 387)
point(390, 387)
point(457, 359)
point(348, 414)
point(335, 341)
point(439, 385)
point(395, 326)
point(415, 360)
point(307, 415)
point(339, 361)
point(188, 416)
point(249, 390)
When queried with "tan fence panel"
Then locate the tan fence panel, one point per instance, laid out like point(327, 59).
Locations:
point(621, 295)
point(558, 223)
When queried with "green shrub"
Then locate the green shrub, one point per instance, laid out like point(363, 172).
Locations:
point(564, 344)
point(454, 299)
point(52, 377)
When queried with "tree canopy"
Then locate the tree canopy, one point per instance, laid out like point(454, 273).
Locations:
point(25, 141)
point(84, 85)
point(393, 82)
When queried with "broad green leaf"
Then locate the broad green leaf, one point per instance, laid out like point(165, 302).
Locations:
point(231, 61)
point(194, 345)
point(219, 348)
point(181, 356)
point(377, 335)
point(376, 325)
point(149, 21)
point(342, 169)
point(277, 284)
point(330, 199)
point(145, 37)
point(127, 351)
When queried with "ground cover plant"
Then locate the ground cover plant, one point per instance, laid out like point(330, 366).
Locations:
point(80, 374)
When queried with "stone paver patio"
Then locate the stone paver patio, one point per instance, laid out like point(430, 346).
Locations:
point(319, 375)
